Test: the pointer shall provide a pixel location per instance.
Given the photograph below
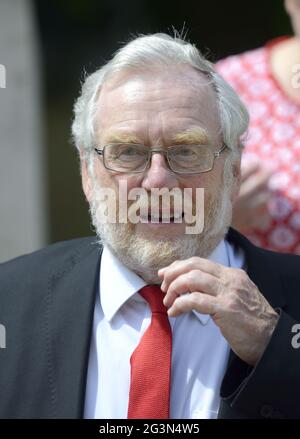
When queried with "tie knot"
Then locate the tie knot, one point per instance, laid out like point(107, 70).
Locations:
point(154, 296)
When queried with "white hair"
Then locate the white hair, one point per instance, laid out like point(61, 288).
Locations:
point(142, 53)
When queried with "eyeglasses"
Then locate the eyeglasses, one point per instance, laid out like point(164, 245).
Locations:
point(182, 159)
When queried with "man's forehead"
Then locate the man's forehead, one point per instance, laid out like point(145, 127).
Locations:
point(181, 87)
point(181, 100)
point(186, 75)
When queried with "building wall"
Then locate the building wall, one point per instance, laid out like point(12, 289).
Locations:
point(23, 209)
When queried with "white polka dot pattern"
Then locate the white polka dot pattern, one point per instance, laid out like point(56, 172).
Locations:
point(274, 137)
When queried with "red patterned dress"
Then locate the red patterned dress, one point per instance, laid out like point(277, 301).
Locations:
point(274, 138)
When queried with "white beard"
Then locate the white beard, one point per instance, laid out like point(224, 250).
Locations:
point(146, 256)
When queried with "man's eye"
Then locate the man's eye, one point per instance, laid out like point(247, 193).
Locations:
point(131, 151)
point(128, 151)
point(187, 151)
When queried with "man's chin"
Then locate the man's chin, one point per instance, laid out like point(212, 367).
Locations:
point(146, 255)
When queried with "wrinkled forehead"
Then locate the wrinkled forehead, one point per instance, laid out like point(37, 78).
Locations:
point(179, 72)
point(177, 75)
point(178, 94)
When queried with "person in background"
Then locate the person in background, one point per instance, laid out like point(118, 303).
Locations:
point(267, 79)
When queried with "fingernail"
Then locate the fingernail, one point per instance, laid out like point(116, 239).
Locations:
point(170, 312)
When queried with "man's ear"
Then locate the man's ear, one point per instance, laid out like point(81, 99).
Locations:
point(87, 183)
point(236, 170)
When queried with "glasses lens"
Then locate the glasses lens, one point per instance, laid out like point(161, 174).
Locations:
point(125, 157)
point(191, 158)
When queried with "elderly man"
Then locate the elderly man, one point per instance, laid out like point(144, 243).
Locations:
point(152, 321)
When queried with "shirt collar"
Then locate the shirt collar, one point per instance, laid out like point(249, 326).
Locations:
point(118, 284)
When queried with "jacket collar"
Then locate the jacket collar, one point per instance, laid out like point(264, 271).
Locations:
point(69, 333)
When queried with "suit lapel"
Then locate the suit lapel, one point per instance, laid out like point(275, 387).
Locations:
point(69, 333)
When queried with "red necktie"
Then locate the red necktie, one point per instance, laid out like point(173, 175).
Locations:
point(149, 396)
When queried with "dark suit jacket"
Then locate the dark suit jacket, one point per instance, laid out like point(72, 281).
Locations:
point(47, 303)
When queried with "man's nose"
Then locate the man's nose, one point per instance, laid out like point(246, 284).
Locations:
point(158, 174)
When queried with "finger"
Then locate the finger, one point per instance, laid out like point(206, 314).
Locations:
point(257, 167)
point(255, 184)
point(262, 220)
point(194, 280)
point(256, 202)
point(195, 301)
point(162, 270)
point(259, 200)
point(250, 214)
point(195, 263)
point(249, 169)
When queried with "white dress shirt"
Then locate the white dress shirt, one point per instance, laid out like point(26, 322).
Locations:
point(121, 316)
